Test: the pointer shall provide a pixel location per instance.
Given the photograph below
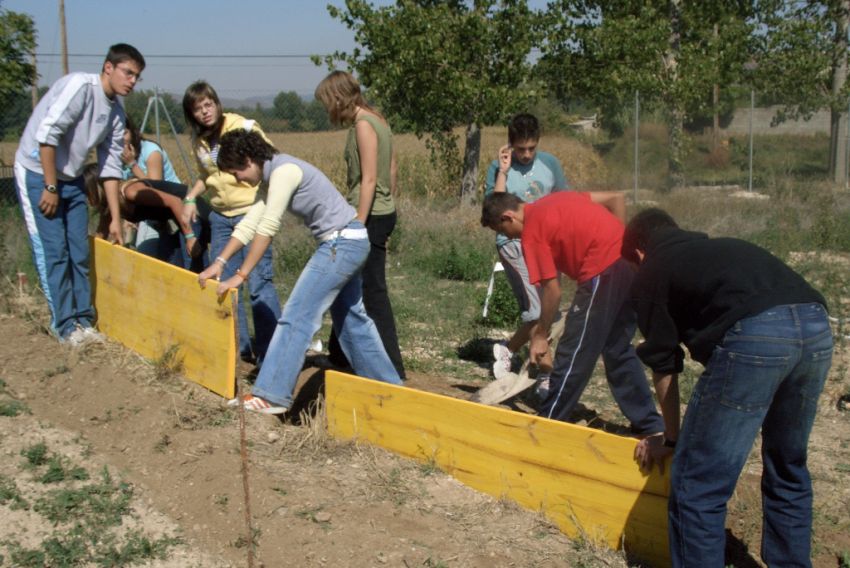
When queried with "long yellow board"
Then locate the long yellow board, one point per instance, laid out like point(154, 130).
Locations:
point(584, 480)
point(155, 308)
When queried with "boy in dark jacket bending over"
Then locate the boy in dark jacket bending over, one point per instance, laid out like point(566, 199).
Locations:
point(762, 333)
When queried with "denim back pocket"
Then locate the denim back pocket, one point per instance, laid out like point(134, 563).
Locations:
point(751, 380)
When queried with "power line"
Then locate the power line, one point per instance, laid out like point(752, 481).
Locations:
point(208, 56)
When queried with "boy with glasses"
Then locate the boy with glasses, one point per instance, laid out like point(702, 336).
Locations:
point(79, 113)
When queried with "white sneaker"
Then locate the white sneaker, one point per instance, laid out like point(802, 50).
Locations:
point(83, 336)
point(502, 356)
point(76, 338)
point(92, 335)
point(542, 388)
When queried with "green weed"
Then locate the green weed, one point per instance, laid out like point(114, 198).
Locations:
point(9, 492)
point(12, 408)
point(103, 503)
point(136, 548)
point(58, 470)
point(503, 310)
point(58, 370)
point(169, 364)
point(162, 444)
point(36, 455)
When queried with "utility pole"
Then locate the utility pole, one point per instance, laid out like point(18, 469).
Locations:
point(34, 86)
point(64, 37)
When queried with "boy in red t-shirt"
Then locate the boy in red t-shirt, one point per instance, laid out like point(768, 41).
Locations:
point(580, 235)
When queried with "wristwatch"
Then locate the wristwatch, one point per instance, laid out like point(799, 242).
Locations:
point(50, 188)
point(668, 443)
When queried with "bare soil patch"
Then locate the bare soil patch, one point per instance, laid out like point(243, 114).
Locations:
point(316, 501)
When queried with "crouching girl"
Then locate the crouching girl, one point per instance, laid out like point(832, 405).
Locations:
point(330, 280)
point(153, 200)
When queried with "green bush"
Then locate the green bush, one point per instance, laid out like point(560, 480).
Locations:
point(466, 264)
point(503, 311)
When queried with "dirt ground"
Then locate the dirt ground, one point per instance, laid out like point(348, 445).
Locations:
point(315, 502)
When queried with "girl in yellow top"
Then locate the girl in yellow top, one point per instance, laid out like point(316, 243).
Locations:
point(371, 185)
point(229, 200)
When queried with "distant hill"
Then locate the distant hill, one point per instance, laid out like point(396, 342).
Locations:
point(265, 101)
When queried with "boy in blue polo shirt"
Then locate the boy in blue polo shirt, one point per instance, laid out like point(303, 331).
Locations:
point(529, 174)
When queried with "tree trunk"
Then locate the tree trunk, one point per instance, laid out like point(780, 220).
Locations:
point(838, 110)
point(675, 113)
point(715, 104)
point(471, 155)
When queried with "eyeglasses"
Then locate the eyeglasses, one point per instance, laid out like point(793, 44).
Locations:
point(132, 75)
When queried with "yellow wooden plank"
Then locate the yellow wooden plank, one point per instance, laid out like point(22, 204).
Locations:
point(584, 480)
point(153, 307)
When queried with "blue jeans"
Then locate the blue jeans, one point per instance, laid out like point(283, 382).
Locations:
point(264, 301)
point(767, 373)
point(60, 247)
point(154, 238)
point(330, 280)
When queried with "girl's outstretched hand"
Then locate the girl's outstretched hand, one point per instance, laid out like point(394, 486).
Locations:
point(233, 282)
point(213, 271)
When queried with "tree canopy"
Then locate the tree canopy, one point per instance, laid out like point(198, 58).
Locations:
point(433, 66)
point(17, 44)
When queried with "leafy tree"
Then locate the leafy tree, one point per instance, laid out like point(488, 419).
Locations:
point(315, 117)
point(674, 53)
point(16, 111)
point(17, 43)
point(803, 63)
point(434, 65)
point(289, 106)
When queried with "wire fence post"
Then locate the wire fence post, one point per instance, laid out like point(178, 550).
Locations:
point(637, 142)
point(752, 110)
point(847, 149)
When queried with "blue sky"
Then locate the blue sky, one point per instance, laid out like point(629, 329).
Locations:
point(195, 27)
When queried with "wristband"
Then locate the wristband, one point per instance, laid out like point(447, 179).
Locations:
point(668, 443)
point(242, 274)
point(188, 236)
point(189, 200)
point(221, 261)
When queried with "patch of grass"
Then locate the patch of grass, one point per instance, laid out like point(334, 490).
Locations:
point(460, 261)
point(162, 444)
point(59, 469)
point(12, 408)
point(36, 455)
point(55, 371)
point(137, 547)
point(503, 310)
point(169, 364)
point(9, 493)
point(103, 503)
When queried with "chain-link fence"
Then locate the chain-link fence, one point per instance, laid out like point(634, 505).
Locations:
point(746, 147)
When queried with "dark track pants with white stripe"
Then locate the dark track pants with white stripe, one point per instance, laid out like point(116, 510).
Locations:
point(601, 321)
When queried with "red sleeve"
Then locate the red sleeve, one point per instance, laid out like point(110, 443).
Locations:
point(538, 257)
